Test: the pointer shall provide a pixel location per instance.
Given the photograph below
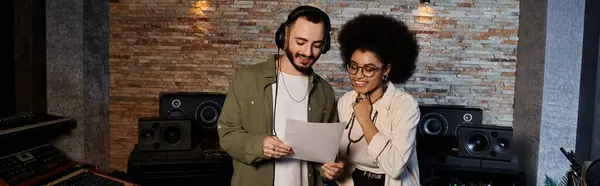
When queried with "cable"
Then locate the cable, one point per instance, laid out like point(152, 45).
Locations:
point(275, 101)
point(277, 69)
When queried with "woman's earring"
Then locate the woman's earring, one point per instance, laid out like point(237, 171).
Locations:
point(385, 76)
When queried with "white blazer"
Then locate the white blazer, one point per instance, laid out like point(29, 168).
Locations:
point(393, 148)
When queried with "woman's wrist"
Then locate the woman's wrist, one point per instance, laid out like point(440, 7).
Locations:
point(369, 129)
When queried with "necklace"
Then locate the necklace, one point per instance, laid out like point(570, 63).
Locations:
point(351, 123)
point(288, 91)
point(383, 92)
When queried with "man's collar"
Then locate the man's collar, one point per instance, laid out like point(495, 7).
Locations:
point(269, 71)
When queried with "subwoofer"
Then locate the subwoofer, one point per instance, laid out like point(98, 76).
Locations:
point(202, 108)
point(164, 134)
point(486, 142)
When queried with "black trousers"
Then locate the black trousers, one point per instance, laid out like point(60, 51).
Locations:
point(365, 178)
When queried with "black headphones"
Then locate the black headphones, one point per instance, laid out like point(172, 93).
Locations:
point(295, 14)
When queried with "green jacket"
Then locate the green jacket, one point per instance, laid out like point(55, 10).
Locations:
point(246, 119)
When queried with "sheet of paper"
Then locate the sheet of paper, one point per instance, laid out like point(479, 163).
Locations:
point(316, 142)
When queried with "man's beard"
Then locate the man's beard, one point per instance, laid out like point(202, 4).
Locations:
point(301, 69)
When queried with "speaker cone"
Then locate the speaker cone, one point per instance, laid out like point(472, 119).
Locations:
point(434, 124)
point(477, 143)
point(208, 113)
point(172, 134)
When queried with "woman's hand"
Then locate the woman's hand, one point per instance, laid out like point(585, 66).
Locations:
point(362, 108)
point(362, 111)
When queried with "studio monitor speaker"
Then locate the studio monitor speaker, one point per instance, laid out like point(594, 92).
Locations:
point(486, 142)
point(438, 128)
point(164, 134)
point(202, 108)
point(443, 120)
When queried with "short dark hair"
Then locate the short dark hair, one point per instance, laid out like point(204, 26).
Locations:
point(389, 38)
point(312, 16)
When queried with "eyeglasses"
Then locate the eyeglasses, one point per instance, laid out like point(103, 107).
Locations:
point(351, 124)
point(367, 71)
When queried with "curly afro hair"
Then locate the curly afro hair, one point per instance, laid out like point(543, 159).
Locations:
point(389, 38)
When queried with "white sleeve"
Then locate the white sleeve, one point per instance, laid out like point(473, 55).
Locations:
point(391, 153)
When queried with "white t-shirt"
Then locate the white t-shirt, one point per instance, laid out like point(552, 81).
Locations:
point(292, 102)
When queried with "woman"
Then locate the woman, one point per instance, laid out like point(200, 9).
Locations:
point(378, 143)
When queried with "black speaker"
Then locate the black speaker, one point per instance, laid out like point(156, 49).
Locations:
point(202, 108)
point(438, 128)
point(443, 120)
point(455, 148)
point(164, 134)
point(486, 142)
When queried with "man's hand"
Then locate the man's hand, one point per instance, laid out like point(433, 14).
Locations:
point(332, 170)
point(273, 148)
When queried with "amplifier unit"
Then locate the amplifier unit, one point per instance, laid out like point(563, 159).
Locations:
point(466, 176)
point(209, 167)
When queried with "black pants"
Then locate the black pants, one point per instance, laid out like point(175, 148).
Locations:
point(362, 178)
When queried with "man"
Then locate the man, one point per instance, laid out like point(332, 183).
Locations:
point(263, 96)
